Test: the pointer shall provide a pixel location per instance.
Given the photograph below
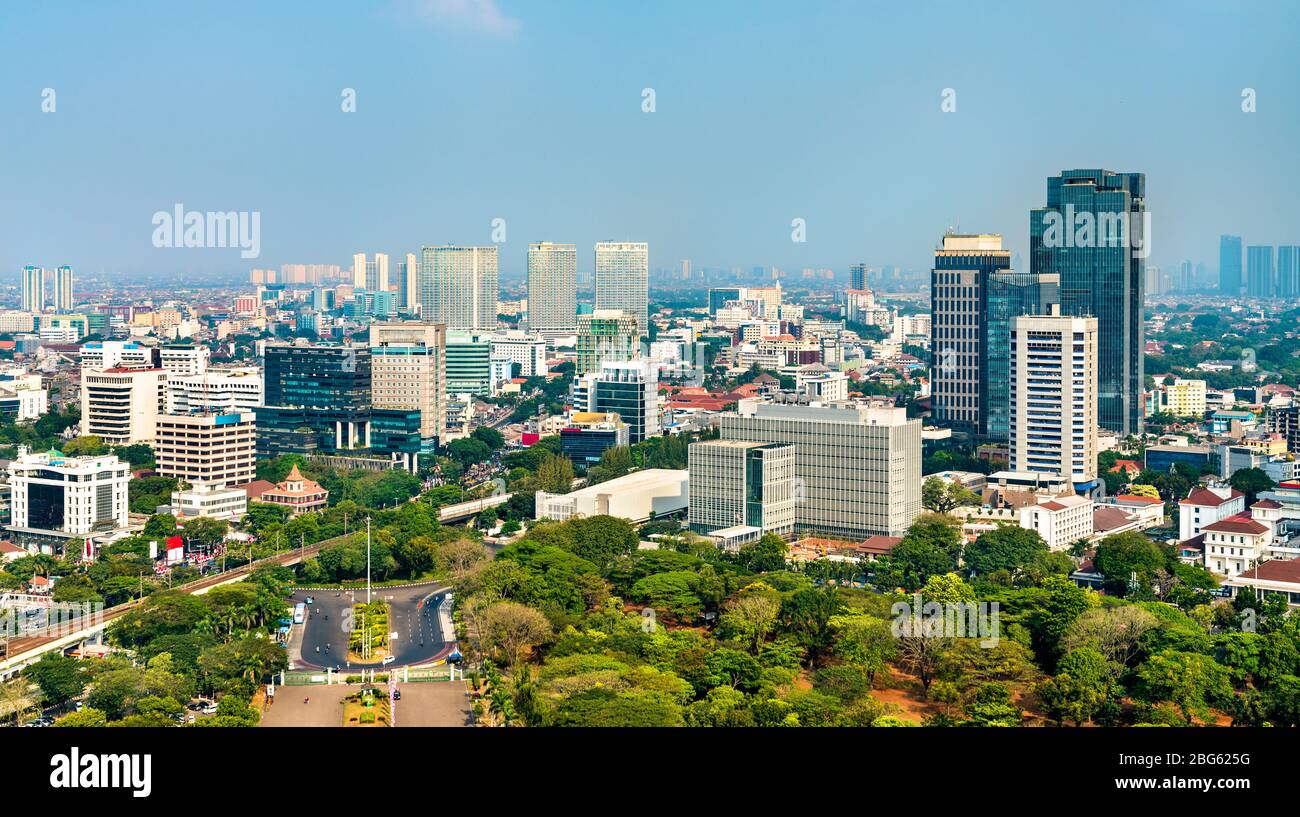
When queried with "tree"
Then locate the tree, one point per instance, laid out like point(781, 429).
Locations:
point(457, 557)
point(1008, 547)
point(1190, 681)
point(489, 436)
point(468, 450)
point(1115, 632)
point(555, 474)
point(767, 554)
point(865, 642)
point(1082, 684)
point(1141, 489)
point(512, 627)
point(930, 547)
point(1251, 482)
point(88, 717)
point(807, 615)
point(1061, 602)
point(59, 677)
point(751, 615)
point(615, 462)
point(1120, 556)
point(205, 531)
point(940, 495)
point(87, 446)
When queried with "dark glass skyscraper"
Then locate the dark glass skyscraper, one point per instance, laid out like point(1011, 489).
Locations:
point(1093, 234)
point(1230, 264)
point(317, 400)
point(1259, 271)
point(1010, 295)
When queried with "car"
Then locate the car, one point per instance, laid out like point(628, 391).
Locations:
point(310, 600)
point(388, 659)
point(210, 709)
point(397, 694)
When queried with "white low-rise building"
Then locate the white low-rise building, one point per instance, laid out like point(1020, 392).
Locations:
point(636, 497)
point(206, 500)
point(1205, 506)
point(1061, 521)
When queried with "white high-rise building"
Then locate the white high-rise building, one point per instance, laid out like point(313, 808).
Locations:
point(739, 483)
point(121, 406)
point(112, 354)
point(623, 279)
point(552, 289)
point(372, 276)
point(218, 450)
point(458, 287)
point(1053, 407)
point(72, 495)
point(33, 289)
point(408, 290)
point(63, 300)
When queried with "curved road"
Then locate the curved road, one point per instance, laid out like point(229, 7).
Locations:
point(413, 615)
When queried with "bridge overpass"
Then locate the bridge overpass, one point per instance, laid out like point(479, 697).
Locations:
point(25, 651)
point(473, 507)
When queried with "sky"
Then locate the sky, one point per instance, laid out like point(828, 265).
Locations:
point(531, 111)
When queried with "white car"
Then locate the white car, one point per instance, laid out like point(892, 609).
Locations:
point(388, 659)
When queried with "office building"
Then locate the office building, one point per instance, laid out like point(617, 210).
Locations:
point(1008, 294)
point(218, 450)
point(184, 359)
point(1093, 234)
point(623, 279)
point(858, 276)
point(317, 399)
point(1054, 397)
point(370, 275)
point(121, 405)
point(859, 467)
point(629, 389)
point(552, 289)
point(33, 289)
point(216, 390)
point(458, 287)
point(469, 363)
point(113, 354)
point(74, 496)
point(588, 434)
point(740, 483)
point(527, 351)
point(408, 374)
point(1185, 398)
point(719, 297)
point(605, 335)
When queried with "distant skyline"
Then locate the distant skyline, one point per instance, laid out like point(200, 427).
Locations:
point(532, 112)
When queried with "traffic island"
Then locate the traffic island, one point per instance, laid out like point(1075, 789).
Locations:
point(369, 707)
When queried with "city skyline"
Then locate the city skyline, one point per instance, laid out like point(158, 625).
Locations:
point(270, 136)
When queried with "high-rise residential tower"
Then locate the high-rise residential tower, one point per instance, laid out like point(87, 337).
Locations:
point(408, 283)
point(1230, 264)
point(371, 276)
point(1054, 396)
point(458, 287)
point(63, 289)
point(552, 289)
point(605, 335)
point(33, 289)
point(1260, 281)
point(623, 279)
point(408, 373)
point(1288, 271)
point(1094, 233)
point(858, 276)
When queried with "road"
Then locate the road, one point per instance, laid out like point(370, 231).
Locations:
point(18, 646)
point(413, 615)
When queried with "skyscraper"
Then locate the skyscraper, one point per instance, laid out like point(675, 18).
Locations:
point(552, 289)
point(63, 289)
point(1260, 282)
point(33, 289)
point(371, 276)
point(1230, 264)
point(623, 279)
point(1053, 397)
point(408, 373)
point(458, 287)
point(858, 276)
point(317, 399)
point(1094, 234)
point(974, 294)
point(408, 288)
point(1288, 271)
point(605, 335)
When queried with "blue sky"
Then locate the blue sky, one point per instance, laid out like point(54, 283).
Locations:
point(531, 111)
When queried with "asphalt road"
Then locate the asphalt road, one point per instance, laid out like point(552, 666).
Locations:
point(413, 614)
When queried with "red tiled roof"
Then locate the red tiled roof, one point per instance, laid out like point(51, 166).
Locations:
point(256, 488)
point(1236, 524)
point(879, 545)
point(1275, 570)
point(1267, 503)
point(1206, 497)
point(1105, 519)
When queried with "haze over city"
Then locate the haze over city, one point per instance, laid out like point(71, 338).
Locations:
point(533, 113)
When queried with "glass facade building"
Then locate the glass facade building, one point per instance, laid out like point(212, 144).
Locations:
point(317, 399)
point(1093, 234)
point(1009, 295)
